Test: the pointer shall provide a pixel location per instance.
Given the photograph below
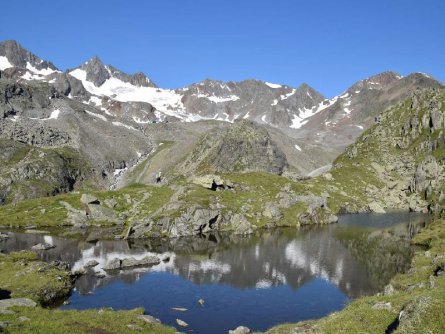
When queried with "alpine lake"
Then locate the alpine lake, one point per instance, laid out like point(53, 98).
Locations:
point(217, 282)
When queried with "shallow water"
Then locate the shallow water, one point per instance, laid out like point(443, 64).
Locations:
point(283, 275)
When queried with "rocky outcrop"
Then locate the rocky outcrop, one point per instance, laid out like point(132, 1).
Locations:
point(244, 146)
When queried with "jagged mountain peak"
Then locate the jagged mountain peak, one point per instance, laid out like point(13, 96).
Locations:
point(97, 73)
point(12, 54)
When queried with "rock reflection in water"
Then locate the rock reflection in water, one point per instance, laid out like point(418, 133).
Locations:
point(352, 258)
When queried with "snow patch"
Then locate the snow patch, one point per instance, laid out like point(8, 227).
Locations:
point(102, 117)
point(44, 71)
point(218, 99)
point(4, 63)
point(272, 85)
point(124, 125)
point(263, 118)
point(164, 100)
point(285, 96)
point(139, 121)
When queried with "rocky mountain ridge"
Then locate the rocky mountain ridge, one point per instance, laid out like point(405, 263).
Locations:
point(139, 100)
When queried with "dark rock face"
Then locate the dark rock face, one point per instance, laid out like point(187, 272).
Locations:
point(244, 146)
point(138, 79)
point(20, 57)
point(96, 71)
point(69, 86)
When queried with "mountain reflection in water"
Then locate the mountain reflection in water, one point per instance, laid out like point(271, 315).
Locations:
point(355, 257)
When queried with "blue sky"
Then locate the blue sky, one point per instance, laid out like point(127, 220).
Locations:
point(327, 44)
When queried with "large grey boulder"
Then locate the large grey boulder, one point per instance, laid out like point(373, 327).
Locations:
point(22, 302)
point(89, 199)
point(194, 222)
point(101, 213)
point(241, 225)
point(114, 264)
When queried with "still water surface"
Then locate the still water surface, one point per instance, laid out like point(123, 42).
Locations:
point(283, 275)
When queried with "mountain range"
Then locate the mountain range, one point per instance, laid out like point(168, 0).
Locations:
point(113, 120)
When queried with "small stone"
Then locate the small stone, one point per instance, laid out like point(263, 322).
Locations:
point(181, 323)
point(23, 318)
point(382, 306)
point(134, 327)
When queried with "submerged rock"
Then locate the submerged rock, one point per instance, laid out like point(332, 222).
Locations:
point(181, 323)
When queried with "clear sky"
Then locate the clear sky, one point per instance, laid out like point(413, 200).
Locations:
point(328, 44)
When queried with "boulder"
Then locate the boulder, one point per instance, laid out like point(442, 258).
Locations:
point(114, 264)
point(22, 302)
point(89, 199)
point(101, 213)
point(240, 330)
point(194, 221)
point(241, 225)
point(213, 182)
point(376, 207)
point(42, 246)
point(149, 319)
point(91, 264)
